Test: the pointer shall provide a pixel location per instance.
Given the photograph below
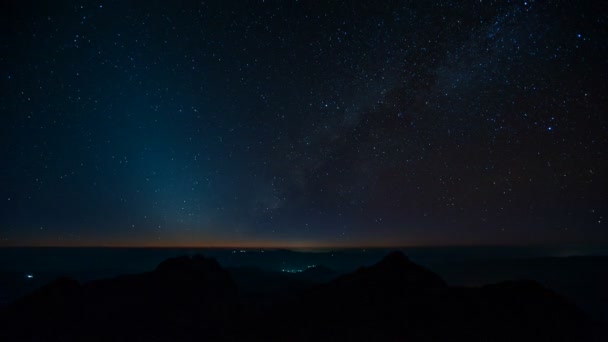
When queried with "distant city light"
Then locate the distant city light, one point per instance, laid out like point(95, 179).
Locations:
point(29, 276)
point(291, 270)
point(296, 270)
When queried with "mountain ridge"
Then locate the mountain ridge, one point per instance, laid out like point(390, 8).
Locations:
point(192, 297)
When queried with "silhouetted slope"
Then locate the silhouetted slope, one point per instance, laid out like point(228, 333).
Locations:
point(255, 281)
point(582, 279)
point(193, 298)
point(395, 272)
point(397, 299)
point(183, 297)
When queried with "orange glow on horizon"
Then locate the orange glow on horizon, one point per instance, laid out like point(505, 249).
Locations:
point(217, 243)
point(260, 244)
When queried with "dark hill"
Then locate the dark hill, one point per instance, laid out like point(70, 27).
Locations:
point(394, 273)
point(396, 299)
point(194, 298)
point(184, 297)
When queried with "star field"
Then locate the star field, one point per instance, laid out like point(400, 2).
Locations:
point(301, 123)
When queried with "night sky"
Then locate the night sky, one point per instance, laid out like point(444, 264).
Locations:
point(303, 123)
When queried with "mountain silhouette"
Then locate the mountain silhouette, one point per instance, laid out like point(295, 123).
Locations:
point(397, 299)
point(194, 298)
point(183, 297)
point(394, 273)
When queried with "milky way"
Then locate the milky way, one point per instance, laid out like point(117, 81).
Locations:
point(297, 123)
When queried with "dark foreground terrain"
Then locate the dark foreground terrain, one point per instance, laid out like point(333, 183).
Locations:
point(194, 298)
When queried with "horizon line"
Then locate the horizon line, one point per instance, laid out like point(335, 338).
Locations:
point(296, 247)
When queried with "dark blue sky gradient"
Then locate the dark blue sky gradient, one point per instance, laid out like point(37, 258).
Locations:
point(298, 123)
